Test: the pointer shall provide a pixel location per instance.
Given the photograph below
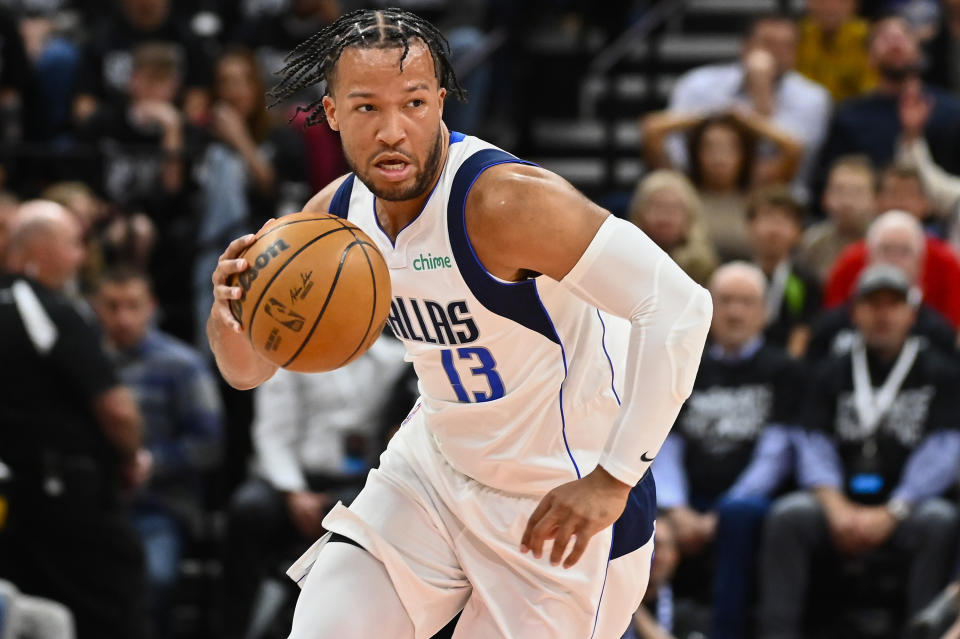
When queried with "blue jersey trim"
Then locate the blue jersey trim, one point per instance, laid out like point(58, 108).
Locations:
point(517, 301)
point(603, 341)
point(563, 419)
point(340, 204)
point(603, 587)
point(456, 136)
point(634, 528)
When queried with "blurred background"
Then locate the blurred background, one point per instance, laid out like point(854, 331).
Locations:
point(799, 158)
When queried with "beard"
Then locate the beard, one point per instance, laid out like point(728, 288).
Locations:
point(398, 192)
point(898, 72)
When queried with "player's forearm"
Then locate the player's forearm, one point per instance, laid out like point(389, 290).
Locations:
point(238, 362)
point(624, 273)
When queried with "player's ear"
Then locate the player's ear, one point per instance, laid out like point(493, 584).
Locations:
point(442, 95)
point(330, 108)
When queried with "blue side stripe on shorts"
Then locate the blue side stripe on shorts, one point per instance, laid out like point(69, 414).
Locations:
point(634, 528)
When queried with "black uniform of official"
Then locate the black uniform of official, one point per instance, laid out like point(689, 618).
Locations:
point(68, 538)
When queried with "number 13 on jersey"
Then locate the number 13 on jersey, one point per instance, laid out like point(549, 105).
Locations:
point(486, 366)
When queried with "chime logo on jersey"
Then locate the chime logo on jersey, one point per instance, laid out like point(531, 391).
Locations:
point(430, 262)
point(432, 322)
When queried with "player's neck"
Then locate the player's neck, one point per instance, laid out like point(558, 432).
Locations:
point(394, 216)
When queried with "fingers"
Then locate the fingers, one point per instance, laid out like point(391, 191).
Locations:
point(227, 293)
point(224, 315)
point(543, 507)
point(578, 548)
point(266, 225)
point(238, 246)
point(561, 541)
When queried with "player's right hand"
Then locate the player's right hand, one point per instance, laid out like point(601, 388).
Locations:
point(230, 263)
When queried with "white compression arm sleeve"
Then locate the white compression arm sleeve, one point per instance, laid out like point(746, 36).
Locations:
point(624, 273)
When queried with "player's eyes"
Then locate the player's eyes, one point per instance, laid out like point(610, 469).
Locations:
point(417, 102)
point(365, 108)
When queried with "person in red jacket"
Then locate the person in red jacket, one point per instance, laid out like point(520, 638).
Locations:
point(897, 238)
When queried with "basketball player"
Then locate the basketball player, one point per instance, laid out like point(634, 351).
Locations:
point(517, 489)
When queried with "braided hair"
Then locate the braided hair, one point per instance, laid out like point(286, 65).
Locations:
point(314, 60)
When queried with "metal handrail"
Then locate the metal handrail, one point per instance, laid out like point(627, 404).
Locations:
point(614, 52)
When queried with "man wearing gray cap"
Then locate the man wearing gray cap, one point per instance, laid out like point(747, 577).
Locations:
point(880, 447)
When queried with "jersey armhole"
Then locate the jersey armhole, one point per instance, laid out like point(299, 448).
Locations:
point(340, 204)
point(516, 301)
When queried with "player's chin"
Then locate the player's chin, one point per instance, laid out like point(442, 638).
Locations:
point(397, 192)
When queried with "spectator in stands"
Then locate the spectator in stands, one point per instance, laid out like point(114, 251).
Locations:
point(832, 50)
point(775, 220)
point(723, 167)
point(45, 244)
point(875, 462)
point(943, 51)
point(182, 426)
point(272, 35)
point(14, 86)
point(246, 169)
point(666, 207)
point(108, 63)
point(80, 200)
point(850, 204)
point(54, 60)
point(314, 438)
point(9, 204)
point(896, 237)
point(143, 137)
point(901, 189)
point(833, 332)
point(942, 188)
point(272, 156)
point(870, 124)
point(111, 236)
point(654, 618)
point(145, 148)
point(70, 434)
point(763, 81)
point(729, 451)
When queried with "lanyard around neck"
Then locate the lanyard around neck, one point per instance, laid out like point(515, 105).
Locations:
point(872, 406)
point(776, 290)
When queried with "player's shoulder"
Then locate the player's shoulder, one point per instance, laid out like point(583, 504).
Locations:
point(505, 189)
point(320, 203)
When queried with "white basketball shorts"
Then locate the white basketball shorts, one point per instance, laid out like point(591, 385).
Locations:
point(450, 543)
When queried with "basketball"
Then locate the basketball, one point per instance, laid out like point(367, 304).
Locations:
point(315, 295)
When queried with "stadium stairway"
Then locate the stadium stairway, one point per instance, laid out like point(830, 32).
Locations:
point(595, 143)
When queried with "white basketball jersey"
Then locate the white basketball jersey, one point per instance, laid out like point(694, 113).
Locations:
point(518, 381)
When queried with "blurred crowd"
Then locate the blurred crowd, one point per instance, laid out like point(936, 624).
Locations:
point(809, 487)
